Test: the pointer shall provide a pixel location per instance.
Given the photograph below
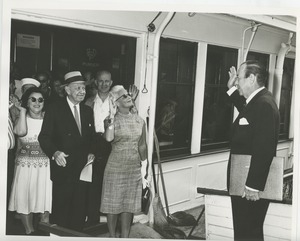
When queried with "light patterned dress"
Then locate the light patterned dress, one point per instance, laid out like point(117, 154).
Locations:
point(31, 188)
point(122, 181)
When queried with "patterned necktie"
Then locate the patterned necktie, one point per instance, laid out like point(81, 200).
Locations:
point(77, 118)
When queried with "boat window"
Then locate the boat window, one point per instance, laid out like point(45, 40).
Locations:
point(262, 58)
point(47, 48)
point(175, 91)
point(217, 109)
point(286, 98)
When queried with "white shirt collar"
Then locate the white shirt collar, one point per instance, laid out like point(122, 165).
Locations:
point(97, 97)
point(253, 94)
point(72, 105)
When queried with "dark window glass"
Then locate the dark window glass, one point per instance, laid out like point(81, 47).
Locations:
point(30, 47)
point(90, 51)
point(174, 108)
point(73, 49)
point(286, 97)
point(217, 110)
point(262, 58)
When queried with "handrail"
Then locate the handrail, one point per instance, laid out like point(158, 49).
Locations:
point(153, 93)
point(209, 191)
point(284, 50)
point(245, 52)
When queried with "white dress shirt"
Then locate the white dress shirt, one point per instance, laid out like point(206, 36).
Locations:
point(101, 111)
point(72, 108)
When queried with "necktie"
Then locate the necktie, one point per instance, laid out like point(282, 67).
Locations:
point(76, 114)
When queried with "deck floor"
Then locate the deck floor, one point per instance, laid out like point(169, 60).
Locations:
point(138, 230)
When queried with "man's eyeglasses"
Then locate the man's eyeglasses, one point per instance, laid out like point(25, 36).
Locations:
point(104, 81)
point(123, 96)
point(40, 100)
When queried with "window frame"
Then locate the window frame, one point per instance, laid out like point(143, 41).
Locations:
point(171, 151)
point(220, 145)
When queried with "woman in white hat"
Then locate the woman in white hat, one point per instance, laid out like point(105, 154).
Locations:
point(126, 166)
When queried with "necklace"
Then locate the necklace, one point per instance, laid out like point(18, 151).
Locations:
point(124, 114)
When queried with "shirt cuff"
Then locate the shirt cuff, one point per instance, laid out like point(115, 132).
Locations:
point(231, 90)
point(252, 189)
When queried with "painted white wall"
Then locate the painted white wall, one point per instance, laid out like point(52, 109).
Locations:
point(219, 226)
point(182, 177)
point(211, 28)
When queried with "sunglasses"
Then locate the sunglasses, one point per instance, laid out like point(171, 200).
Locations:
point(40, 100)
point(123, 96)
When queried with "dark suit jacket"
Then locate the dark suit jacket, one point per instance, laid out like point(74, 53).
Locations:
point(259, 137)
point(60, 133)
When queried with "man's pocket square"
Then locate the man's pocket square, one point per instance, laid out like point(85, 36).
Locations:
point(243, 121)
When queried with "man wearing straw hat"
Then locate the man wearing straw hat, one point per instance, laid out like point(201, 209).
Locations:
point(67, 137)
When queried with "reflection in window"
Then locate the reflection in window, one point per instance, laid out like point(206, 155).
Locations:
point(174, 109)
point(217, 109)
point(286, 97)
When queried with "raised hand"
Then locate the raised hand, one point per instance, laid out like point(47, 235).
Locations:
point(112, 107)
point(133, 91)
point(13, 99)
point(18, 105)
point(232, 77)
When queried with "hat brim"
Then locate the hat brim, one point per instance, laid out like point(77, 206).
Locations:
point(74, 82)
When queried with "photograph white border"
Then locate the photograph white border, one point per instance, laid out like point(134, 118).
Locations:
point(265, 7)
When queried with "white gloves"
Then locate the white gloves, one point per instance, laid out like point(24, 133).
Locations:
point(146, 181)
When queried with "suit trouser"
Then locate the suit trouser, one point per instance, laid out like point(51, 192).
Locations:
point(68, 204)
point(95, 188)
point(248, 218)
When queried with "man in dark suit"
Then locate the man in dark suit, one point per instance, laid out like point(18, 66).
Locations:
point(67, 138)
point(254, 132)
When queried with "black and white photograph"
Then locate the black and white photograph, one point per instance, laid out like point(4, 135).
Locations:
point(149, 120)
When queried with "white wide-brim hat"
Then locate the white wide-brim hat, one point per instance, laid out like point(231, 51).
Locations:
point(30, 81)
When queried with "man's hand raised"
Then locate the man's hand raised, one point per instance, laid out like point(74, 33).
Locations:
point(232, 77)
